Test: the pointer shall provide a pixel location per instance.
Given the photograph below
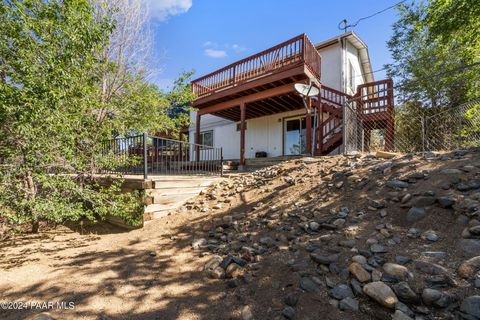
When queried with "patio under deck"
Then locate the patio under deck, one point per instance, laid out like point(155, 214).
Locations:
point(259, 85)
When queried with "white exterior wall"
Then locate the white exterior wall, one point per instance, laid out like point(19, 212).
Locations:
point(331, 66)
point(353, 58)
point(262, 134)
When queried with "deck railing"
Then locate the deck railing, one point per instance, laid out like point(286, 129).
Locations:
point(296, 51)
point(149, 155)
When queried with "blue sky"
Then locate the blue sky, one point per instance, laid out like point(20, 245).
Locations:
point(204, 35)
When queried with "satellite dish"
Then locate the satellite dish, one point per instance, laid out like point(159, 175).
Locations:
point(306, 90)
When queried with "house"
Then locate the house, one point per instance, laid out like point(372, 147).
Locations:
point(250, 108)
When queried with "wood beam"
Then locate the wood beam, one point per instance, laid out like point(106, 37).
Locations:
point(242, 135)
point(247, 99)
point(290, 71)
point(308, 133)
point(197, 137)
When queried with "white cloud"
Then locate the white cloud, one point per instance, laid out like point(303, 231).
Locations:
point(163, 9)
point(238, 48)
point(216, 50)
point(213, 53)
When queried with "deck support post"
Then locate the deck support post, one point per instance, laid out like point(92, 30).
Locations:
point(197, 137)
point(308, 133)
point(320, 126)
point(242, 136)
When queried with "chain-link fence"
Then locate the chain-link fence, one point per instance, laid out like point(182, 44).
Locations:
point(411, 128)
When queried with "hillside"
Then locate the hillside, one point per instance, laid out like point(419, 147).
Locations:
point(338, 237)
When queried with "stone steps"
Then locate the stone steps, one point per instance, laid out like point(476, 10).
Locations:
point(170, 193)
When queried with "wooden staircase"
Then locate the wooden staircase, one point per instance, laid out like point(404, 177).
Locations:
point(373, 109)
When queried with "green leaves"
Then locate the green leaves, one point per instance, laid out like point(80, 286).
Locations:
point(54, 115)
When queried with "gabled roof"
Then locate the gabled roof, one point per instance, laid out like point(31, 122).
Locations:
point(358, 43)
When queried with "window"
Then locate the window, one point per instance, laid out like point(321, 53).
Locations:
point(238, 126)
point(351, 80)
point(206, 138)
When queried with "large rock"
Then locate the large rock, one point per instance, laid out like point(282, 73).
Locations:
point(470, 246)
point(359, 272)
point(469, 267)
point(381, 293)
point(307, 284)
point(324, 259)
point(399, 315)
point(397, 184)
point(471, 307)
point(423, 201)
point(430, 268)
point(341, 291)
point(405, 293)
point(397, 271)
point(416, 214)
point(348, 304)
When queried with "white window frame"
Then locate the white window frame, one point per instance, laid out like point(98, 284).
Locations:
point(202, 138)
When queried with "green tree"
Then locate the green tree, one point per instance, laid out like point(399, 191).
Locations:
point(53, 115)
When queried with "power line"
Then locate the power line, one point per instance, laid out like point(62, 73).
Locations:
point(346, 25)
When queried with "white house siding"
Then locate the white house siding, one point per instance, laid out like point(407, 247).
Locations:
point(262, 134)
point(354, 60)
point(331, 66)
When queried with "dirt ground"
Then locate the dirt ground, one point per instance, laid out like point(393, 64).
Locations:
point(154, 273)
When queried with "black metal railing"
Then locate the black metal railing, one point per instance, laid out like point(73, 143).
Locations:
point(150, 155)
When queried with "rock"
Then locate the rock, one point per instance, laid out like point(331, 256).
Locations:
point(307, 284)
point(470, 246)
point(430, 235)
point(451, 171)
point(288, 313)
point(339, 222)
point(348, 243)
point(429, 296)
point(341, 291)
point(423, 201)
point(358, 272)
point(348, 304)
point(445, 202)
point(468, 268)
point(314, 226)
point(247, 313)
point(378, 248)
point(406, 198)
point(267, 241)
point(397, 184)
point(322, 259)
point(402, 259)
point(413, 233)
point(416, 214)
point(198, 243)
point(43, 316)
point(359, 259)
point(405, 293)
point(291, 299)
point(471, 306)
point(475, 230)
point(234, 271)
point(398, 271)
point(213, 262)
point(216, 273)
point(430, 268)
point(381, 293)
point(399, 315)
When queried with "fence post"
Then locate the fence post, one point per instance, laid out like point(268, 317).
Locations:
point(423, 133)
point(221, 162)
point(459, 134)
point(145, 156)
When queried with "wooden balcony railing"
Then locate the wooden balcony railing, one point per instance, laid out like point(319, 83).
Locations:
point(374, 97)
point(295, 51)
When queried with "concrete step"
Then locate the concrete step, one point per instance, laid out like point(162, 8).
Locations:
point(175, 184)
